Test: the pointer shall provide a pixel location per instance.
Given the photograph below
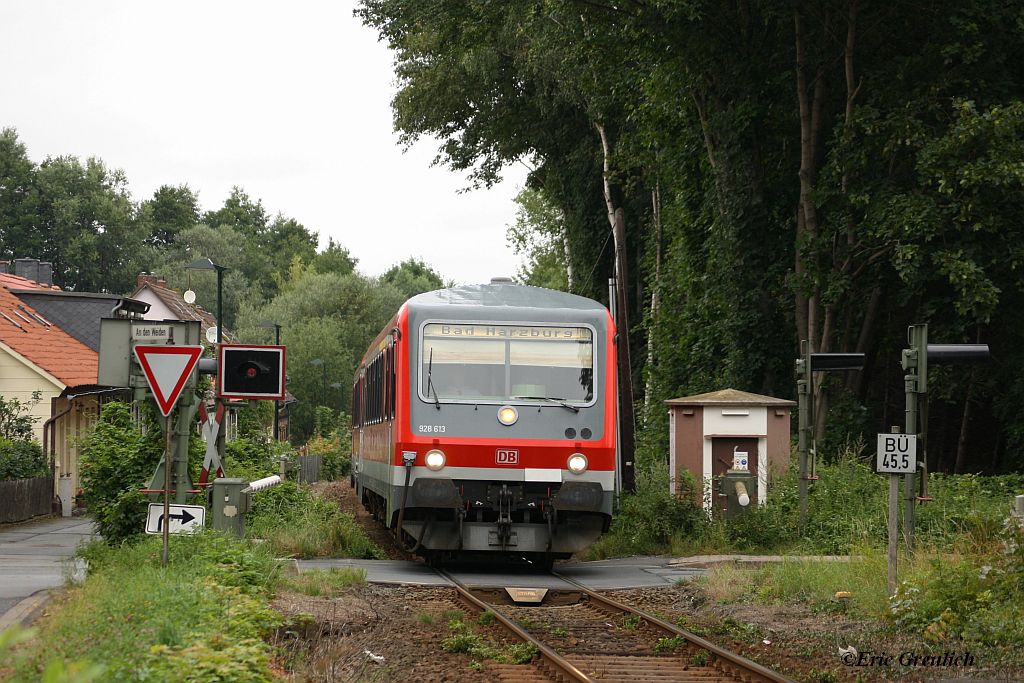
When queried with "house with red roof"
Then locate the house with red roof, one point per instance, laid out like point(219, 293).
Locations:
point(50, 370)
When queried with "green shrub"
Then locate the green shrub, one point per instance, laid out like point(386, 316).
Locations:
point(16, 420)
point(336, 451)
point(117, 460)
point(249, 453)
point(975, 598)
point(647, 521)
point(20, 459)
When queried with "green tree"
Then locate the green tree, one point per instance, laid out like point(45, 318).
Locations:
point(17, 199)
point(85, 225)
point(412, 277)
point(539, 236)
point(171, 210)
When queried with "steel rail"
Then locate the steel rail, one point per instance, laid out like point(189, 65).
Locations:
point(559, 663)
point(728, 662)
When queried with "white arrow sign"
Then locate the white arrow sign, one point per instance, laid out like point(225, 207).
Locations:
point(167, 370)
point(184, 519)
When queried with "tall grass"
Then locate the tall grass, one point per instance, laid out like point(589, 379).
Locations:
point(296, 523)
point(200, 618)
point(847, 509)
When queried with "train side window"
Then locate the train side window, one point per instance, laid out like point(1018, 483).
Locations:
point(391, 380)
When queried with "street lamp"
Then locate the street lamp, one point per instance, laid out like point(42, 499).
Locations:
point(207, 264)
point(323, 395)
point(277, 404)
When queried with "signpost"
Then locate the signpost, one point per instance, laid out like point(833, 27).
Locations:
point(167, 370)
point(896, 454)
point(184, 519)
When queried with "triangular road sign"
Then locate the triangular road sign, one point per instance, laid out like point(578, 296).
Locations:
point(167, 370)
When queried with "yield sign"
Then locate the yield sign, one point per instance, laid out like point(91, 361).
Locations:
point(167, 370)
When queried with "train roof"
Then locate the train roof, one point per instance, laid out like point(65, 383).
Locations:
point(506, 295)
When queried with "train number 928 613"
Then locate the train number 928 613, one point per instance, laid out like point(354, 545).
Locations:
point(431, 429)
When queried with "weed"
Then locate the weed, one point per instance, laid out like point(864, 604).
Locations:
point(425, 618)
point(450, 615)
point(823, 675)
point(520, 653)
point(559, 632)
point(486, 618)
point(669, 644)
point(700, 657)
point(631, 621)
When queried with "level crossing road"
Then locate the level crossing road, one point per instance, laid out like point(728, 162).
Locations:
point(35, 556)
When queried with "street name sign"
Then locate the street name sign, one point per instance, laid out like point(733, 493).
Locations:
point(167, 369)
point(896, 454)
point(184, 519)
point(151, 332)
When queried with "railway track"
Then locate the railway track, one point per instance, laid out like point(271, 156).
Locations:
point(583, 636)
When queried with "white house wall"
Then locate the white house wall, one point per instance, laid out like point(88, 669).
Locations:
point(157, 309)
point(735, 421)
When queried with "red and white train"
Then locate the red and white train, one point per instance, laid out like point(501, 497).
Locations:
point(484, 423)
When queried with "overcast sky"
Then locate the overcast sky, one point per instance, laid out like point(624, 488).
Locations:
point(289, 100)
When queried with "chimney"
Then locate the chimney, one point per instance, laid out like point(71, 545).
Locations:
point(45, 274)
point(27, 268)
point(145, 278)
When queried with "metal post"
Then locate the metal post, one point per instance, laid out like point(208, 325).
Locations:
point(220, 303)
point(915, 381)
point(805, 402)
point(167, 488)
point(894, 511)
point(277, 404)
point(181, 431)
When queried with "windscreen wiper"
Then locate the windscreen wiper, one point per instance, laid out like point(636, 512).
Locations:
point(554, 399)
point(430, 382)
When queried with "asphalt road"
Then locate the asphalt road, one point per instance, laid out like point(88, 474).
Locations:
point(36, 555)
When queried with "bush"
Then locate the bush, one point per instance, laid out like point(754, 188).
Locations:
point(16, 420)
point(975, 598)
point(648, 520)
point(334, 444)
point(117, 460)
point(20, 459)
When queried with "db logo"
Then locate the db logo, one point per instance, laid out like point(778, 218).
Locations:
point(507, 457)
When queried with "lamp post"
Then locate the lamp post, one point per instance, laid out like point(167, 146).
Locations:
point(207, 264)
point(277, 404)
point(323, 395)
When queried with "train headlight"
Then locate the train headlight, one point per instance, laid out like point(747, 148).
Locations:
point(507, 415)
point(434, 460)
point(577, 463)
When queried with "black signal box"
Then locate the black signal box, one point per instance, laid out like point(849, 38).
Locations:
point(251, 371)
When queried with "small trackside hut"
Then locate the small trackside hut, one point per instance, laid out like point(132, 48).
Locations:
point(730, 441)
point(484, 423)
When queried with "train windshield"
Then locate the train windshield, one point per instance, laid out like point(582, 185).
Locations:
point(518, 363)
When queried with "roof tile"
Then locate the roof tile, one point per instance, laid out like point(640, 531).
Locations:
point(41, 342)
